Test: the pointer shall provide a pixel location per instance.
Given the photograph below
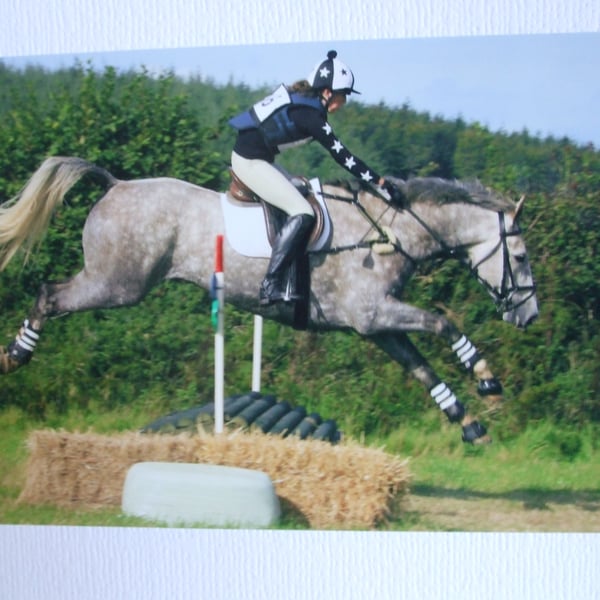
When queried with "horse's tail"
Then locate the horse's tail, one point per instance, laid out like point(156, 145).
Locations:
point(25, 218)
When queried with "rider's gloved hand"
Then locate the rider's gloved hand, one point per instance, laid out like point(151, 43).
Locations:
point(396, 195)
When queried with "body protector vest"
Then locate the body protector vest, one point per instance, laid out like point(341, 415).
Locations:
point(270, 116)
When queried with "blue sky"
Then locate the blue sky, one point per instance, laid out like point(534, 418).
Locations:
point(547, 84)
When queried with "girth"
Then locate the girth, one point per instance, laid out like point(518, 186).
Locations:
point(275, 217)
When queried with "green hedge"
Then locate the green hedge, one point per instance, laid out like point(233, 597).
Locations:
point(136, 125)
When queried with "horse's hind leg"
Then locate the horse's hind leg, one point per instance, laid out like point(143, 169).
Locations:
point(20, 351)
point(80, 293)
point(401, 349)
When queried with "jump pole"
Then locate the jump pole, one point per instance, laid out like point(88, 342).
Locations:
point(218, 294)
point(257, 353)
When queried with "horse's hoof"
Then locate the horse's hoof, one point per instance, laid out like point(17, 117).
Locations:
point(475, 433)
point(489, 387)
point(7, 363)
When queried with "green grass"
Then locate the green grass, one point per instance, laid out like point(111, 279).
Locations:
point(542, 456)
point(540, 465)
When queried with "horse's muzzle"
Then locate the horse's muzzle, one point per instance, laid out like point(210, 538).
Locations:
point(521, 318)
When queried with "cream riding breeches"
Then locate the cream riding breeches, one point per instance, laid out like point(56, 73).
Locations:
point(270, 184)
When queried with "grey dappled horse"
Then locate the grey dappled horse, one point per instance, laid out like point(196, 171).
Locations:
point(142, 232)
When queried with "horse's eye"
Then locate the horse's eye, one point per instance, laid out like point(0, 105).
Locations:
point(520, 258)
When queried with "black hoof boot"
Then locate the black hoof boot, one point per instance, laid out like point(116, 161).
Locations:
point(474, 433)
point(489, 387)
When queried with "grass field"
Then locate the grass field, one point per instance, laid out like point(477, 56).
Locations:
point(543, 480)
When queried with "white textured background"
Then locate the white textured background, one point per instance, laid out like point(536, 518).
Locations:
point(32, 27)
point(64, 563)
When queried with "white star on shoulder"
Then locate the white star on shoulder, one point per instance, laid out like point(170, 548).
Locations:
point(324, 72)
point(327, 128)
point(350, 162)
point(366, 176)
point(337, 146)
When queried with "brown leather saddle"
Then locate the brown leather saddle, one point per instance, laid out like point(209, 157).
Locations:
point(275, 217)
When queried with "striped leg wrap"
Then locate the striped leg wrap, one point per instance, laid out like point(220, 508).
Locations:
point(24, 344)
point(443, 396)
point(466, 352)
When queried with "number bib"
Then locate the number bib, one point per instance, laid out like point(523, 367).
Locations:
point(273, 102)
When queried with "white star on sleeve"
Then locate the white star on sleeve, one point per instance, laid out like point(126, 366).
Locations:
point(350, 162)
point(366, 176)
point(337, 146)
point(327, 128)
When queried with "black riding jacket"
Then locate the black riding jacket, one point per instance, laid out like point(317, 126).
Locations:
point(302, 120)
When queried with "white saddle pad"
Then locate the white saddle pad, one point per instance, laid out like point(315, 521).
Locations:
point(246, 230)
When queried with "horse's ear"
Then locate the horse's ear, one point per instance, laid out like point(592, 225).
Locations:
point(519, 208)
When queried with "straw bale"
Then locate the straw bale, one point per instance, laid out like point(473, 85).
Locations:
point(344, 485)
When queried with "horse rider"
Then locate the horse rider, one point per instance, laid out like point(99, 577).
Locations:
point(291, 116)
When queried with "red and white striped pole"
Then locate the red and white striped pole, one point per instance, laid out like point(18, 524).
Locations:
point(218, 293)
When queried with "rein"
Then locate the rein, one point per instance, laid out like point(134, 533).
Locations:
point(508, 287)
point(383, 238)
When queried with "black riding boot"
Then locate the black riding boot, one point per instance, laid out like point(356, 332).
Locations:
point(290, 241)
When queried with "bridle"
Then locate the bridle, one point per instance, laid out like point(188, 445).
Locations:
point(502, 297)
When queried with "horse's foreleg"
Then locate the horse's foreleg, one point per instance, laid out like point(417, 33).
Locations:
point(405, 317)
point(402, 350)
point(487, 385)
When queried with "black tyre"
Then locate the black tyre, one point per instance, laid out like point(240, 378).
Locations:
point(327, 431)
point(288, 422)
point(266, 421)
point(307, 426)
point(245, 418)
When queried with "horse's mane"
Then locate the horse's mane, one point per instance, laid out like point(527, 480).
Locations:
point(442, 191)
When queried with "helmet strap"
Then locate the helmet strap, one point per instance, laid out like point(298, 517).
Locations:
point(326, 101)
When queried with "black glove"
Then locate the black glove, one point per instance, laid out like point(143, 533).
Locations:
point(397, 197)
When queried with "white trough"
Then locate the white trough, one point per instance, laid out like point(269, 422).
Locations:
point(181, 494)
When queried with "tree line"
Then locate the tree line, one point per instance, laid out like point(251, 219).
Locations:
point(138, 125)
